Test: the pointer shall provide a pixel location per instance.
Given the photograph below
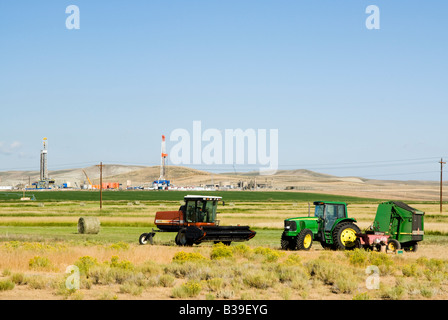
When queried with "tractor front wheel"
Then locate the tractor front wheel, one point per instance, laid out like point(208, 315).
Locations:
point(287, 243)
point(304, 240)
point(344, 236)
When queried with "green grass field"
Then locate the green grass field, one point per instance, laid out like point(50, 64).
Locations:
point(140, 195)
point(127, 214)
point(53, 216)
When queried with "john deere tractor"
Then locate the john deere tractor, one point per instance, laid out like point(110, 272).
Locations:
point(330, 225)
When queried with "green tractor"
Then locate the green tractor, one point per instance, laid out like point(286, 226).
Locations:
point(330, 226)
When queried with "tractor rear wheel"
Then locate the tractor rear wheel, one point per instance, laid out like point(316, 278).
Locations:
point(344, 236)
point(304, 240)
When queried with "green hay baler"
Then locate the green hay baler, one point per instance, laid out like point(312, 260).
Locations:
point(401, 222)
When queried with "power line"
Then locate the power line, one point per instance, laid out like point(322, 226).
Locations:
point(362, 166)
point(399, 174)
point(368, 163)
point(231, 167)
point(441, 179)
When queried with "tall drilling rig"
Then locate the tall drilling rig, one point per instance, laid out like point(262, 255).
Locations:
point(45, 181)
point(162, 183)
point(163, 160)
point(43, 162)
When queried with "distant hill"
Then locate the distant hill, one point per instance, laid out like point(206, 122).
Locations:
point(299, 180)
point(73, 176)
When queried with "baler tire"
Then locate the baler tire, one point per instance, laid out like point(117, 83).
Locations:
point(305, 236)
point(393, 245)
point(411, 248)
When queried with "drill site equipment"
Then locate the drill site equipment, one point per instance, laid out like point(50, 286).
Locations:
point(195, 222)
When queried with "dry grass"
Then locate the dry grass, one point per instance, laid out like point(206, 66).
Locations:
point(152, 272)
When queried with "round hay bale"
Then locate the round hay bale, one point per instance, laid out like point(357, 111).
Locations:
point(88, 225)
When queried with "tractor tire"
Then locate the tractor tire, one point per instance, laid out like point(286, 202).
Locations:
point(142, 240)
point(182, 238)
point(287, 243)
point(304, 240)
point(344, 236)
point(393, 245)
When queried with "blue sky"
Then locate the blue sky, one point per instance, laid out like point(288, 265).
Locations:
point(345, 100)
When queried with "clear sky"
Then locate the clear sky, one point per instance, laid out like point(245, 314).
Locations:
point(346, 100)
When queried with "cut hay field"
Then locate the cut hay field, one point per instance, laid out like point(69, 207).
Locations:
point(39, 240)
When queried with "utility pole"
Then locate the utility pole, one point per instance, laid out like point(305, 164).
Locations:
point(101, 185)
point(441, 177)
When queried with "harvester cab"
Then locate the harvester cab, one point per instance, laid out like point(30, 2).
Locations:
point(196, 222)
point(200, 210)
point(330, 226)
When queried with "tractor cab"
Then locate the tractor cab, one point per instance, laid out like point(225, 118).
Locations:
point(329, 212)
point(200, 209)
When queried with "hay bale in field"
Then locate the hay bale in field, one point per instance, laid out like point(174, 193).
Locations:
point(88, 225)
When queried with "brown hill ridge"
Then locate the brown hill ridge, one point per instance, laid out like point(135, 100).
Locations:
point(299, 180)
